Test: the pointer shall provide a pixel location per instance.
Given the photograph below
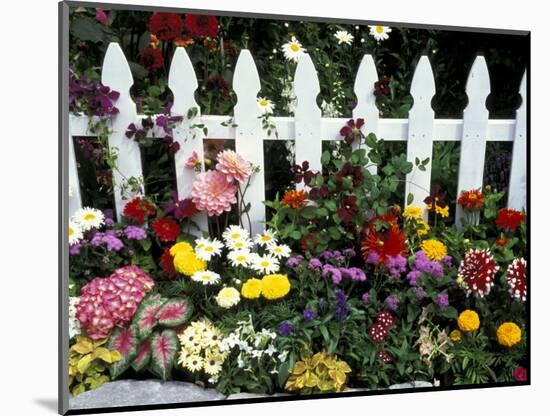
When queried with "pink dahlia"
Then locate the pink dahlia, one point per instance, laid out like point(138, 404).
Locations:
point(516, 278)
point(234, 166)
point(213, 193)
point(478, 271)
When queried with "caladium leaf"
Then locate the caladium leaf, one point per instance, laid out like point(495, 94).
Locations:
point(143, 356)
point(125, 341)
point(145, 318)
point(164, 347)
point(174, 312)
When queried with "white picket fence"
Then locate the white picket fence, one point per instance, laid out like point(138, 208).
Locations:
point(308, 129)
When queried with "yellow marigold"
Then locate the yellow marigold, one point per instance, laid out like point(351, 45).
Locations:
point(508, 334)
point(468, 321)
point(228, 297)
point(252, 288)
point(275, 286)
point(179, 247)
point(423, 227)
point(456, 335)
point(187, 263)
point(444, 212)
point(435, 250)
point(413, 211)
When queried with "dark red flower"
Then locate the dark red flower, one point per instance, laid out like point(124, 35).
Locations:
point(218, 83)
point(383, 239)
point(351, 132)
point(309, 242)
point(509, 219)
point(348, 208)
point(165, 26)
point(520, 374)
point(202, 25)
point(387, 319)
point(139, 210)
point(436, 199)
point(303, 173)
point(321, 192)
point(478, 270)
point(152, 59)
point(180, 208)
point(167, 263)
point(382, 87)
point(166, 229)
point(351, 172)
point(502, 241)
point(385, 357)
point(377, 332)
point(471, 200)
point(516, 276)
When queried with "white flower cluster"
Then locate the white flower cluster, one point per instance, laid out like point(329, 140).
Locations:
point(74, 324)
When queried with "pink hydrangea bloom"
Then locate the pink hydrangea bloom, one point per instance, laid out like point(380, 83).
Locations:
point(212, 192)
point(234, 166)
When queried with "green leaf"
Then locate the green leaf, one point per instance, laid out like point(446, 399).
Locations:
point(325, 157)
point(295, 235)
point(410, 199)
point(308, 212)
point(283, 373)
point(331, 205)
point(86, 29)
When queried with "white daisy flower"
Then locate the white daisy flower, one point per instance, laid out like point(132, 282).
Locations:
point(280, 250)
point(266, 106)
point(234, 232)
point(206, 277)
point(265, 264)
point(266, 239)
point(208, 248)
point(89, 218)
point(213, 364)
point(240, 257)
point(239, 244)
point(194, 363)
point(293, 49)
point(343, 37)
point(379, 32)
point(75, 232)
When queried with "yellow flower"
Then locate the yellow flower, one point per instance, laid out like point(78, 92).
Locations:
point(252, 288)
point(275, 286)
point(413, 211)
point(444, 212)
point(508, 334)
point(180, 247)
point(468, 321)
point(187, 263)
point(456, 335)
point(435, 250)
point(228, 297)
point(423, 227)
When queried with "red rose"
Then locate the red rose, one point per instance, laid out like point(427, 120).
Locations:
point(139, 210)
point(202, 26)
point(509, 219)
point(152, 59)
point(167, 263)
point(166, 26)
point(166, 229)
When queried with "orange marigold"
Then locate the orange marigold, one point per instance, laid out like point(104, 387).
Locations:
point(294, 198)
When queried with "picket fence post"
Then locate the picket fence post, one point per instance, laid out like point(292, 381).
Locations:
point(116, 74)
point(75, 200)
point(474, 132)
point(249, 137)
point(183, 84)
point(517, 189)
point(421, 132)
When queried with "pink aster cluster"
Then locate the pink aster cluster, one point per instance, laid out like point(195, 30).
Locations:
point(477, 270)
point(516, 278)
point(213, 192)
point(106, 302)
point(233, 166)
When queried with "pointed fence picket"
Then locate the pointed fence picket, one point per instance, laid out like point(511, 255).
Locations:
point(308, 129)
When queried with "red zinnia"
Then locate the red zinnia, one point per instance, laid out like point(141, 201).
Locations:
point(167, 263)
point(509, 219)
point(471, 200)
point(139, 210)
point(166, 229)
point(385, 243)
point(294, 198)
point(201, 25)
point(166, 26)
point(152, 59)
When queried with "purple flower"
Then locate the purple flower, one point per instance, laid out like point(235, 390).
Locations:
point(447, 260)
point(349, 252)
point(396, 265)
point(294, 261)
point(373, 258)
point(109, 238)
point(74, 249)
point(309, 314)
point(135, 233)
point(342, 305)
point(423, 264)
point(392, 302)
point(413, 276)
point(315, 264)
point(285, 328)
point(357, 274)
point(442, 300)
point(365, 298)
point(419, 292)
point(326, 255)
point(333, 272)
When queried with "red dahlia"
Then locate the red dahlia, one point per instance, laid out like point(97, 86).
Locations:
point(471, 200)
point(139, 210)
point(152, 59)
point(478, 271)
point(166, 26)
point(166, 229)
point(388, 241)
point(509, 219)
point(516, 276)
point(167, 263)
point(201, 25)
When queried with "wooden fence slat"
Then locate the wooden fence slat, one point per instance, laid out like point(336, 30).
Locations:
point(307, 115)
point(517, 189)
point(116, 74)
point(474, 132)
point(421, 132)
point(249, 136)
point(182, 81)
point(75, 201)
point(366, 100)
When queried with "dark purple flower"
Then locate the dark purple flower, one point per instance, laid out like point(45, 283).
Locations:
point(365, 298)
point(184, 208)
point(442, 300)
point(396, 265)
point(326, 255)
point(419, 292)
point(349, 252)
point(285, 328)
point(309, 314)
point(74, 249)
point(332, 272)
point(392, 302)
point(342, 305)
point(294, 261)
point(382, 87)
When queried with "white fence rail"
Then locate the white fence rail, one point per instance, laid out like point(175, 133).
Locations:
point(308, 129)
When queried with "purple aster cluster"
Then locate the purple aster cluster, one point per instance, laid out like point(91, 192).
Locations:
point(286, 328)
point(309, 315)
point(392, 302)
point(422, 264)
point(419, 292)
point(365, 298)
point(109, 238)
point(295, 261)
point(442, 300)
point(342, 305)
point(133, 232)
point(396, 265)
